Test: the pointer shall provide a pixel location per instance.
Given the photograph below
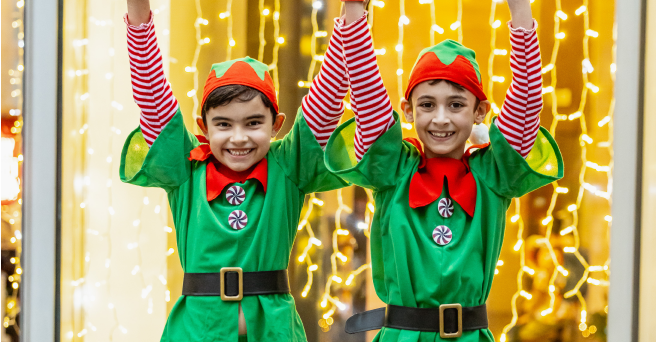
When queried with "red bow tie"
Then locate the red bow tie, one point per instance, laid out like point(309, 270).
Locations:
point(427, 183)
point(217, 179)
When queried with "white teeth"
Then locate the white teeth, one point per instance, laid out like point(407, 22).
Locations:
point(442, 135)
point(239, 152)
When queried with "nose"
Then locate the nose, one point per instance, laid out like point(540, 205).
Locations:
point(441, 118)
point(239, 136)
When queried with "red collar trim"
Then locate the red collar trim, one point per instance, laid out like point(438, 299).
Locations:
point(427, 183)
point(218, 176)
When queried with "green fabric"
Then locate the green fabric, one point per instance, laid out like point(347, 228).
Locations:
point(243, 338)
point(448, 50)
point(408, 267)
point(260, 68)
point(205, 240)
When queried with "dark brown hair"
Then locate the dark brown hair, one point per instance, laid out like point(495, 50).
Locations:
point(451, 83)
point(222, 96)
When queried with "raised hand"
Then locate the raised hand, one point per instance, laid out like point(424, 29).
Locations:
point(520, 12)
point(138, 12)
point(353, 10)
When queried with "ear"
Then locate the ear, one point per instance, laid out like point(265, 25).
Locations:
point(277, 124)
point(201, 125)
point(481, 111)
point(406, 107)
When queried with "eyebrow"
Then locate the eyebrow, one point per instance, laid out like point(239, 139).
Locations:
point(425, 97)
point(451, 97)
point(251, 117)
point(457, 97)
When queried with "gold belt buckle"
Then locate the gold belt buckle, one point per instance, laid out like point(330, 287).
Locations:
point(444, 307)
point(240, 295)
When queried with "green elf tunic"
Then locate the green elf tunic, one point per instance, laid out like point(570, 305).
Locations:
point(415, 263)
point(263, 237)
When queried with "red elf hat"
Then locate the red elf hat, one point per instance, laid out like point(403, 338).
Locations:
point(448, 60)
point(244, 71)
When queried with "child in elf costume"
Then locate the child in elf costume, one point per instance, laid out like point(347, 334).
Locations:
point(440, 218)
point(235, 196)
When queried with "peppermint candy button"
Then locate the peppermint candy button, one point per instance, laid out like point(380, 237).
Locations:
point(235, 195)
point(442, 235)
point(445, 207)
point(238, 219)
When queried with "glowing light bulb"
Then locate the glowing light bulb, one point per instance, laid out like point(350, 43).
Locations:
point(560, 14)
point(592, 33)
point(580, 10)
point(518, 245)
point(567, 230)
point(437, 29)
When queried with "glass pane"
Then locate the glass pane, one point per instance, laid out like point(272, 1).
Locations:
point(11, 165)
point(121, 272)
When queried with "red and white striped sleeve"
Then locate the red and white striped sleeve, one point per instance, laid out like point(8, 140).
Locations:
point(369, 99)
point(324, 104)
point(150, 89)
point(519, 120)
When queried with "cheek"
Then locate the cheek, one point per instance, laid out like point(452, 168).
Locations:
point(261, 137)
point(464, 121)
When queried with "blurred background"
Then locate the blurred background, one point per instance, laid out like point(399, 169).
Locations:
point(119, 269)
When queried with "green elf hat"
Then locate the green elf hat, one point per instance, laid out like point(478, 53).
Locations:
point(448, 60)
point(244, 71)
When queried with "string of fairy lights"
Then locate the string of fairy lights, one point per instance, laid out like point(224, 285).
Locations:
point(11, 213)
point(85, 285)
point(585, 140)
point(329, 301)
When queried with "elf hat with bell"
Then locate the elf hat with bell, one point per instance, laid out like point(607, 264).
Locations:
point(243, 71)
point(448, 60)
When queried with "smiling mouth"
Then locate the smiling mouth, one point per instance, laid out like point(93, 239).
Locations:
point(442, 134)
point(240, 152)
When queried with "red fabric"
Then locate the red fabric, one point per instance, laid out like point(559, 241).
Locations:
point(429, 67)
point(427, 183)
point(217, 179)
point(242, 73)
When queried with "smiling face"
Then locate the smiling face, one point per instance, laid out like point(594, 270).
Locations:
point(444, 114)
point(240, 132)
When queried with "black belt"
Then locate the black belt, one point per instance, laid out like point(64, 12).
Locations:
point(450, 320)
point(232, 283)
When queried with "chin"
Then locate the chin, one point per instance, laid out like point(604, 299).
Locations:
point(238, 167)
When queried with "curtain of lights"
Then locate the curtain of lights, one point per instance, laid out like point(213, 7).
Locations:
point(121, 272)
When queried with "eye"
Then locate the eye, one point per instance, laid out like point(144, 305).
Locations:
point(254, 123)
point(426, 105)
point(222, 124)
point(457, 105)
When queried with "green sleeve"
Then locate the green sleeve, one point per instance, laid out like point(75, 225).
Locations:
point(165, 164)
point(301, 158)
point(507, 174)
point(386, 160)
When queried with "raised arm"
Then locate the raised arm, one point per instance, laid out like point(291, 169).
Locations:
point(151, 90)
point(369, 99)
point(324, 104)
point(519, 120)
